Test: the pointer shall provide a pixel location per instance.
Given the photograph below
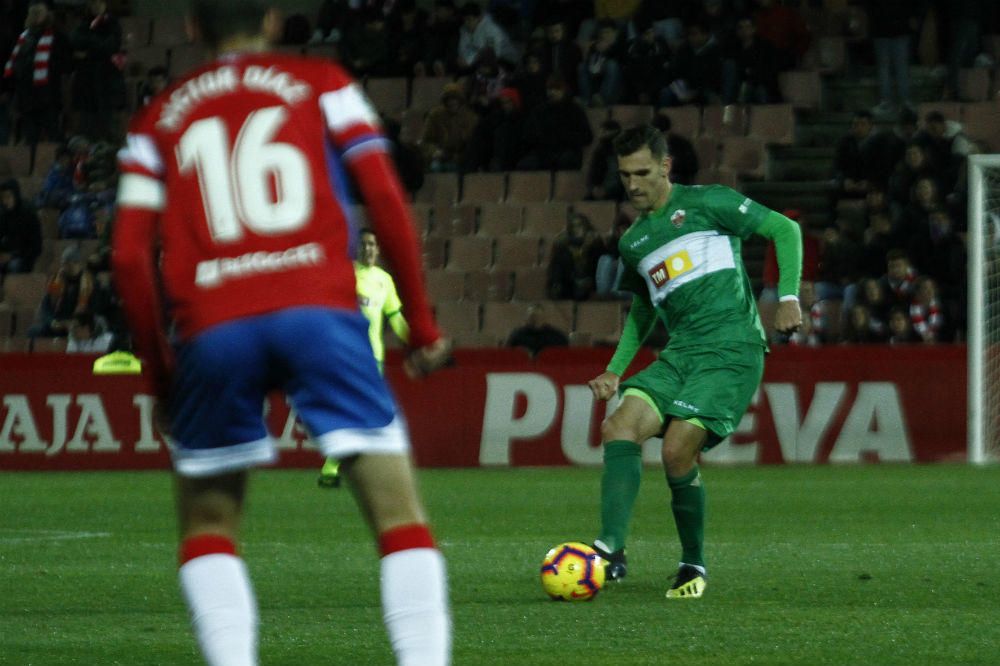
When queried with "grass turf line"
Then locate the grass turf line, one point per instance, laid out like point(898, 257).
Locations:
point(876, 564)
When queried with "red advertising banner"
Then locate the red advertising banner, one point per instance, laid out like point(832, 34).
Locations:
point(501, 408)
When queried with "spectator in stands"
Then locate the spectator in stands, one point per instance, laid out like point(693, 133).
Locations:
point(67, 295)
point(599, 79)
point(915, 218)
point(536, 333)
point(365, 50)
point(480, 36)
point(448, 130)
point(939, 253)
point(862, 159)
point(900, 328)
point(98, 82)
point(891, 24)
point(560, 55)
point(719, 17)
point(914, 166)
point(573, 262)
point(609, 270)
point(498, 142)
point(442, 41)
point(530, 81)
point(20, 231)
point(33, 74)
point(783, 27)
point(926, 315)
point(78, 220)
point(859, 327)
point(873, 297)
point(556, 132)
point(573, 13)
point(57, 188)
point(899, 279)
point(645, 68)
point(684, 160)
point(695, 73)
point(877, 241)
point(408, 39)
point(484, 86)
point(602, 172)
point(156, 81)
point(966, 19)
point(408, 159)
point(750, 72)
point(838, 261)
point(331, 19)
point(947, 148)
point(87, 337)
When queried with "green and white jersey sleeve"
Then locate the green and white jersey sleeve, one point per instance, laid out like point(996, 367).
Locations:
point(686, 259)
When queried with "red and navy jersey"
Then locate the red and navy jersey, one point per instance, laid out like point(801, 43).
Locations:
point(239, 171)
point(242, 159)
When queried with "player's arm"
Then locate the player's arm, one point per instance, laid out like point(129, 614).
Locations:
point(638, 324)
point(393, 312)
point(141, 197)
point(787, 239)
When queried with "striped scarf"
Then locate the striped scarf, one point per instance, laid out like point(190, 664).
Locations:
point(43, 49)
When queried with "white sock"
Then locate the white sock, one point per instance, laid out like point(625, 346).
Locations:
point(415, 607)
point(223, 609)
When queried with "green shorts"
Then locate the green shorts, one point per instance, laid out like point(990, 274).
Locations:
point(710, 385)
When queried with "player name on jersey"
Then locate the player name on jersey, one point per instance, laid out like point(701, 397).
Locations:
point(226, 79)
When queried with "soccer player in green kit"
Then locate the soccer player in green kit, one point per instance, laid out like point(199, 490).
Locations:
point(683, 264)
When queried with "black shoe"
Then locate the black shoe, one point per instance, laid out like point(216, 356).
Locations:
point(689, 583)
point(328, 481)
point(615, 564)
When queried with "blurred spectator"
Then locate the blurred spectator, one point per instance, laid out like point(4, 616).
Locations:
point(573, 262)
point(966, 19)
point(684, 160)
point(891, 24)
point(33, 74)
point(947, 148)
point(480, 36)
point(57, 188)
point(750, 72)
point(912, 168)
point(573, 13)
point(560, 56)
point(900, 328)
point(408, 39)
point(79, 148)
point(719, 17)
point(863, 159)
point(838, 261)
point(442, 41)
point(859, 328)
point(98, 84)
point(530, 82)
point(915, 217)
point(67, 295)
point(498, 142)
point(695, 74)
point(602, 172)
point(939, 253)
point(20, 231)
point(365, 50)
point(609, 270)
point(536, 333)
point(878, 240)
point(783, 27)
point(77, 221)
point(484, 86)
point(331, 20)
point(926, 316)
point(295, 30)
point(408, 159)
point(872, 295)
point(556, 132)
point(645, 66)
point(156, 81)
point(448, 130)
point(899, 278)
point(86, 336)
point(600, 74)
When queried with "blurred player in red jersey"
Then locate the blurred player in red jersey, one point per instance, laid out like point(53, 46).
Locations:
point(232, 228)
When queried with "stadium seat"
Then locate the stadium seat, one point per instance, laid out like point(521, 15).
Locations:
point(982, 123)
point(488, 286)
point(48, 345)
point(425, 92)
point(974, 84)
point(518, 251)
point(500, 319)
point(470, 253)
point(49, 219)
point(434, 251)
point(168, 31)
point(831, 53)
point(602, 320)
point(632, 115)
point(744, 156)
point(560, 314)
point(439, 188)
point(685, 121)
point(545, 219)
point(802, 88)
point(186, 57)
point(458, 319)
point(601, 214)
point(388, 95)
point(15, 161)
point(483, 187)
point(457, 220)
point(596, 117)
point(530, 284)
point(135, 31)
point(580, 339)
point(773, 123)
point(717, 177)
point(44, 158)
point(707, 150)
point(411, 125)
point(445, 286)
point(496, 219)
point(422, 217)
point(529, 186)
point(722, 121)
point(569, 186)
point(24, 289)
point(142, 58)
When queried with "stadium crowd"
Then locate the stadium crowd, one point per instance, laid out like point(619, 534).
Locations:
point(528, 87)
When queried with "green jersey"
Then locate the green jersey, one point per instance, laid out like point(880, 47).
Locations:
point(685, 259)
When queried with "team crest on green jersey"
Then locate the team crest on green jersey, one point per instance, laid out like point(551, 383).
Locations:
point(678, 218)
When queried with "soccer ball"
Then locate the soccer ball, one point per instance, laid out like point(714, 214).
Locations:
point(572, 572)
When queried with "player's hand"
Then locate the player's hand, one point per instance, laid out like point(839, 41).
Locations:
point(425, 360)
point(604, 386)
point(788, 318)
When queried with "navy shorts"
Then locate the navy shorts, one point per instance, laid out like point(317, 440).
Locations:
point(320, 357)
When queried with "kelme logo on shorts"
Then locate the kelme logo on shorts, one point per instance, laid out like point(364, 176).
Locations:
point(673, 266)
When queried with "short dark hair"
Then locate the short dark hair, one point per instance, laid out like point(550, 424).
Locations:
point(934, 117)
point(895, 254)
point(218, 19)
point(365, 230)
point(864, 114)
point(634, 138)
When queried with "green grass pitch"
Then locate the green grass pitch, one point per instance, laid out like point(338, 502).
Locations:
point(835, 565)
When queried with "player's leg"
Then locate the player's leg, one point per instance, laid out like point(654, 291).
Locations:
point(329, 474)
point(622, 433)
point(681, 444)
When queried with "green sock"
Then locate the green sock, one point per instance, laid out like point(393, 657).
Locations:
point(331, 467)
point(619, 488)
point(688, 505)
